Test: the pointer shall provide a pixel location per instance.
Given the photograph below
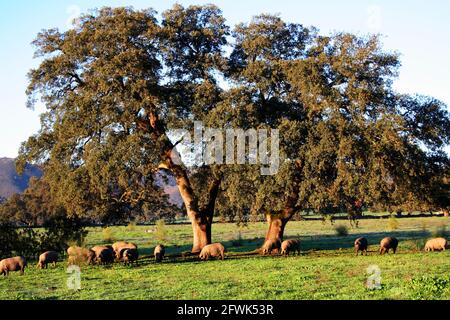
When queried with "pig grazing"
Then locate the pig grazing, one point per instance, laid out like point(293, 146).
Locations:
point(159, 252)
point(290, 246)
point(215, 250)
point(120, 246)
point(130, 255)
point(361, 244)
point(117, 245)
point(388, 243)
point(46, 258)
point(103, 254)
point(78, 255)
point(270, 245)
point(110, 248)
point(12, 264)
point(436, 244)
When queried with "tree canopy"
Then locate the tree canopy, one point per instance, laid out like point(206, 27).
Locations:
point(116, 84)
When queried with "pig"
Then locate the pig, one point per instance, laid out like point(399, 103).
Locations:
point(361, 244)
point(13, 264)
point(120, 246)
point(290, 245)
point(130, 255)
point(388, 243)
point(159, 252)
point(117, 245)
point(215, 250)
point(103, 254)
point(436, 244)
point(46, 258)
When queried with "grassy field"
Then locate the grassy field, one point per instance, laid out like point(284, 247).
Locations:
point(326, 269)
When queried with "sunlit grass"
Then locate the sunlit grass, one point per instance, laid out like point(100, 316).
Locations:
point(327, 268)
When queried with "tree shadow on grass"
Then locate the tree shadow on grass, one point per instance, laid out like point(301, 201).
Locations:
point(325, 242)
point(330, 242)
point(247, 248)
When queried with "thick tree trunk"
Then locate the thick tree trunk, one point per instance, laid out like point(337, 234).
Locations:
point(276, 228)
point(277, 220)
point(201, 218)
point(200, 225)
point(202, 233)
point(202, 222)
point(277, 223)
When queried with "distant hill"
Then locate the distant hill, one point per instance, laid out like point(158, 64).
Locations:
point(168, 183)
point(10, 181)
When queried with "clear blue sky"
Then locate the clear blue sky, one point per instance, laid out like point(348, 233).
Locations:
point(419, 30)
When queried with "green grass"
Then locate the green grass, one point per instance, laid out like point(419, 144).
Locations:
point(326, 269)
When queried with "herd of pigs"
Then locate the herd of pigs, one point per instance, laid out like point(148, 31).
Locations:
point(360, 245)
point(127, 252)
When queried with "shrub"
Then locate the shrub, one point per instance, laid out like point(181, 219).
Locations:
point(328, 218)
point(419, 244)
point(392, 223)
point(353, 219)
point(18, 241)
point(131, 226)
point(354, 224)
point(341, 230)
point(8, 238)
point(30, 243)
point(61, 230)
point(161, 230)
point(108, 234)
